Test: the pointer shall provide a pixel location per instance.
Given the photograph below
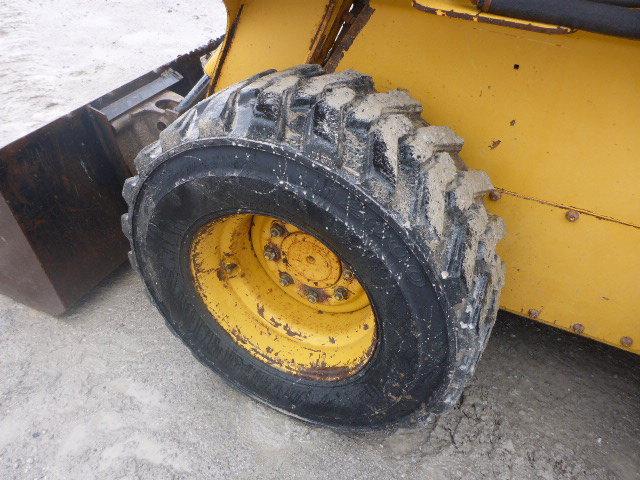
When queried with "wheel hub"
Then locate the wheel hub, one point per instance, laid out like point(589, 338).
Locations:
point(312, 272)
point(284, 296)
point(309, 261)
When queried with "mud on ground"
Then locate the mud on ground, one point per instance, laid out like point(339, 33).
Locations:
point(108, 392)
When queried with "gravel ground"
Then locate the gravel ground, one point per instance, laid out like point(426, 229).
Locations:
point(108, 392)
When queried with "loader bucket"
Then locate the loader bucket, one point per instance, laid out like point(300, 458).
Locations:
point(60, 187)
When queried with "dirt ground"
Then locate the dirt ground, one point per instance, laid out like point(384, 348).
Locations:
point(108, 392)
point(56, 55)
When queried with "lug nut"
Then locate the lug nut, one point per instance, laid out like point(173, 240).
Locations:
point(626, 341)
point(572, 215)
point(230, 267)
point(341, 293)
point(578, 328)
point(285, 279)
point(278, 230)
point(312, 296)
point(495, 195)
point(272, 253)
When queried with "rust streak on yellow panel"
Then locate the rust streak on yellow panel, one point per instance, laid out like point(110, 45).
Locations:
point(567, 208)
point(329, 26)
point(463, 10)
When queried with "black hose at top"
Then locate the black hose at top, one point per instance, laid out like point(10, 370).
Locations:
point(589, 15)
point(621, 3)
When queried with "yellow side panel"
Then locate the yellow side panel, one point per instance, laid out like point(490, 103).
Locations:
point(586, 272)
point(271, 34)
point(554, 117)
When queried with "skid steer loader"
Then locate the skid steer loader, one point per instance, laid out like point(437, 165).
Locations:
point(300, 211)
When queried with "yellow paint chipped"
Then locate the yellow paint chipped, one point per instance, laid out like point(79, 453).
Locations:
point(299, 325)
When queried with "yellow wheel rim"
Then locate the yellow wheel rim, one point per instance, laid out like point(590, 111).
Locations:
point(284, 296)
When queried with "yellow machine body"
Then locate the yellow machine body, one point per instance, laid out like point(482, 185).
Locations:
point(552, 115)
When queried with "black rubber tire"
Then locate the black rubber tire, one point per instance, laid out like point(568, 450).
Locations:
point(365, 174)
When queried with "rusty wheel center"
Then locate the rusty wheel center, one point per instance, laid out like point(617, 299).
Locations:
point(305, 268)
point(284, 296)
point(309, 261)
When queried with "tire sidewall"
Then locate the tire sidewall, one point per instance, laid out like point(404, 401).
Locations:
point(206, 180)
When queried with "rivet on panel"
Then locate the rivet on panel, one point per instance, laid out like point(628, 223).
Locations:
point(572, 215)
point(578, 328)
point(495, 195)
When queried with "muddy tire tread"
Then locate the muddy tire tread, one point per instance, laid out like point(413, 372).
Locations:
point(381, 144)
